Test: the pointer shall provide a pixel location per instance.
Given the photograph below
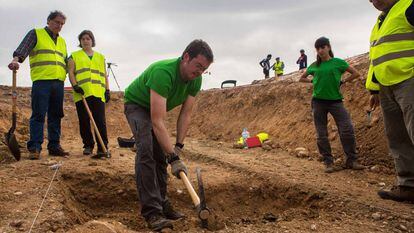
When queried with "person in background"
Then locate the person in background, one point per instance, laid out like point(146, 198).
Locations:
point(302, 60)
point(391, 82)
point(265, 64)
point(327, 98)
point(88, 77)
point(278, 67)
point(47, 56)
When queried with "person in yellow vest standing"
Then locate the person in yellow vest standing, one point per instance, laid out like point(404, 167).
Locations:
point(278, 67)
point(391, 82)
point(47, 54)
point(88, 77)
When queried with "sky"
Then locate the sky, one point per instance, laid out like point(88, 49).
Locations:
point(135, 33)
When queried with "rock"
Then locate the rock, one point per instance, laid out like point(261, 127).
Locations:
point(16, 223)
point(18, 193)
point(382, 184)
point(313, 227)
point(238, 146)
point(122, 155)
point(303, 154)
point(402, 227)
point(93, 163)
point(270, 217)
point(120, 191)
point(267, 147)
point(300, 149)
point(374, 168)
point(376, 216)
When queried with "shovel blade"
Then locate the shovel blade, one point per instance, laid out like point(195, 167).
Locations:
point(13, 145)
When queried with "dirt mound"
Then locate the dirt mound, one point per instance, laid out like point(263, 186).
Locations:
point(282, 109)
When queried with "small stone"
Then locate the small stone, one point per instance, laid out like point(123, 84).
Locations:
point(18, 193)
point(382, 184)
point(122, 155)
point(376, 216)
point(179, 191)
point(93, 163)
point(16, 223)
point(402, 227)
point(313, 227)
point(270, 217)
point(120, 191)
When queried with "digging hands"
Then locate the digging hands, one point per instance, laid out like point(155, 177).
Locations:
point(176, 164)
point(14, 65)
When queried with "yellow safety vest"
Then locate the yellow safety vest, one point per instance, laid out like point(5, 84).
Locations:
point(392, 48)
point(278, 67)
point(89, 74)
point(47, 59)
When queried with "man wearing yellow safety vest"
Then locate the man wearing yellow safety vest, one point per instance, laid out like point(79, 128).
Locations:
point(278, 67)
point(88, 77)
point(391, 82)
point(47, 54)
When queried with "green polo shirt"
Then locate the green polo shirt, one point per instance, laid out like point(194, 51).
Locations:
point(164, 78)
point(327, 78)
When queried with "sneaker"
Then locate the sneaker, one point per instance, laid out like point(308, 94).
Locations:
point(34, 154)
point(158, 223)
point(398, 193)
point(58, 152)
point(87, 151)
point(170, 213)
point(354, 165)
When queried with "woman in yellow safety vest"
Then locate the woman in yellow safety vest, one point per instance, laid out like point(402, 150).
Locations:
point(88, 77)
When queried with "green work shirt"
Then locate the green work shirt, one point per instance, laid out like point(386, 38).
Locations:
point(164, 78)
point(326, 78)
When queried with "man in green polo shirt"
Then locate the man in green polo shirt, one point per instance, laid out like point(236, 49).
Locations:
point(163, 86)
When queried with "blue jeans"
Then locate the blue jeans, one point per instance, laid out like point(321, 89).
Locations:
point(47, 97)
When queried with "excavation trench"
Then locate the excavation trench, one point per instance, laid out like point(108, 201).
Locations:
point(235, 198)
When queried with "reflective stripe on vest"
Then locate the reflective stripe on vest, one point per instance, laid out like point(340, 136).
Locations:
point(47, 59)
point(89, 74)
point(278, 68)
point(392, 48)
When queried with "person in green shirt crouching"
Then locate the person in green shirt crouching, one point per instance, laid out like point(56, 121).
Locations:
point(163, 86)
point(327, 98)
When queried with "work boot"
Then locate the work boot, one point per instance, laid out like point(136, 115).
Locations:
point(398, 193)
point(87, 151)
point(354, 165)
point(170, 213)
point(58, 152)
point(101, 154)
point(158, 222)
point(34, 154)
point(329, 168)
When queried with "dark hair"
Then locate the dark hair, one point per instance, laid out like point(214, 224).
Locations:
point(199, 47)
point(269, 55)
point(321, 42)
point(90, 34)
point(302, 51)
point(54, 14)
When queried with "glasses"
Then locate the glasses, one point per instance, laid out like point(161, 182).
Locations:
point(58, 22)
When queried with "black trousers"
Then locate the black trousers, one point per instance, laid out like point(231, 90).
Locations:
point(150, 162)
point(97, 108)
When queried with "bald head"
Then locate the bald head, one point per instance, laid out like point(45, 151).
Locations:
point(383, 5)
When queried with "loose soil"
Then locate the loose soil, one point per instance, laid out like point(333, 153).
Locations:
point(247, 190)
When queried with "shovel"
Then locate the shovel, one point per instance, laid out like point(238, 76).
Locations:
point(199, 200)
point(95, 128)
point(11, 140)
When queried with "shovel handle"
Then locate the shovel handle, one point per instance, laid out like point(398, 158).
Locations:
point(14, 93)
point(94, 125)
point(190, 189)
